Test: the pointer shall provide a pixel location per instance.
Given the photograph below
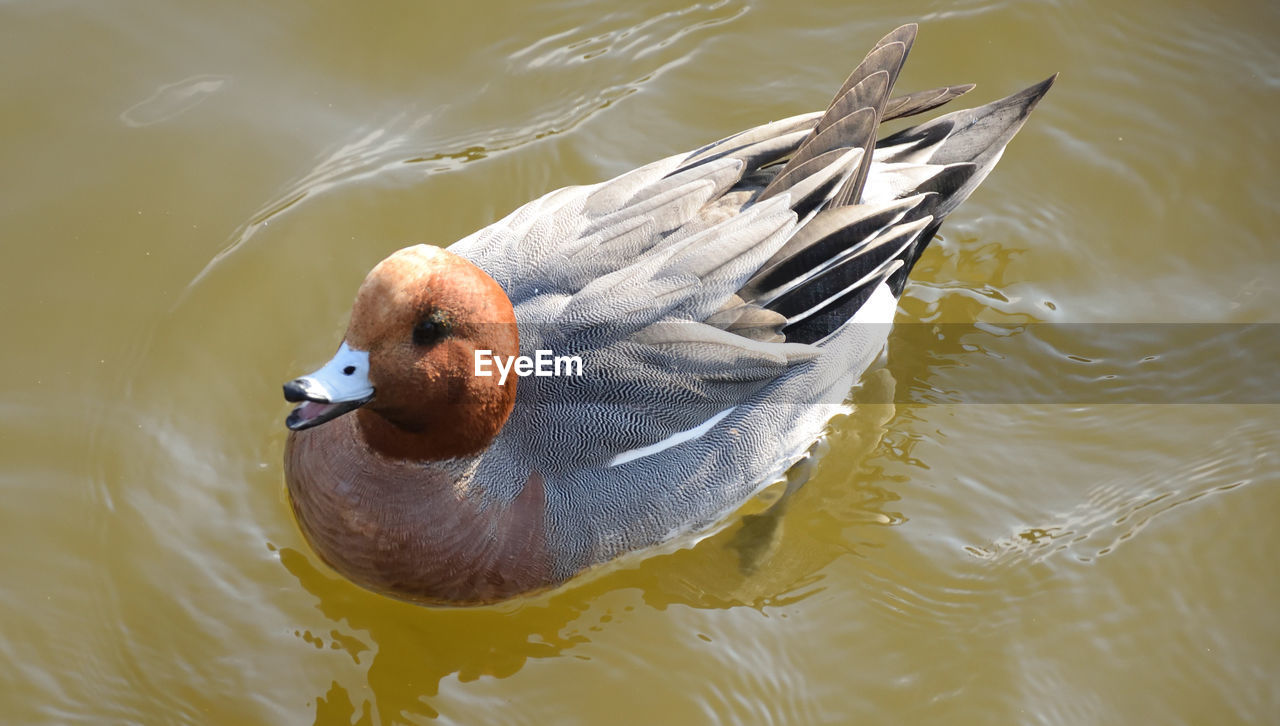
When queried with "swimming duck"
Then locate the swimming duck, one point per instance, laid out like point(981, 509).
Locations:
point(705, 307)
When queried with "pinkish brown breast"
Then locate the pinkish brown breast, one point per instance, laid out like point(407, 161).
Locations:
point(410, 530)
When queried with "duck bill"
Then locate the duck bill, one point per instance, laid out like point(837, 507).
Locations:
point(339, 386)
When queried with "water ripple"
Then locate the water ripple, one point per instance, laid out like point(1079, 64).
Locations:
point(632, 40)
point(173, 99)
point(1114, 512)
point(394, 146)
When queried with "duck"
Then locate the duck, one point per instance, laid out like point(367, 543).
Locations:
point(615, 367)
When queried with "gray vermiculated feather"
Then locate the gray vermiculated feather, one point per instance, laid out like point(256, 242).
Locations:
point(613, 196)
point(687, 280)
point(610, 323)
point(723, 171)
point(655, 279)
point(558, 244)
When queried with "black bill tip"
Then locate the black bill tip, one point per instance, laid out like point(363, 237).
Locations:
point(295, 391)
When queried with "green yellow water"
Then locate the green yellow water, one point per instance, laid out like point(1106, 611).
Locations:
point(192, 191)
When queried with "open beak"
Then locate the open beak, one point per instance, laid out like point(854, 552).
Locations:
point(340, 386)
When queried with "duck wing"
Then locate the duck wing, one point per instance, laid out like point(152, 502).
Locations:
point(692, 285)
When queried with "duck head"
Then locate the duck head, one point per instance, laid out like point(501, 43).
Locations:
point(406, 364)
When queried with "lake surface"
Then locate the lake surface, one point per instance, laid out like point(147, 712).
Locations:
point(1054, 503)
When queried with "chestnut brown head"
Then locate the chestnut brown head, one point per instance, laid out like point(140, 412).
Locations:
point(407, 361)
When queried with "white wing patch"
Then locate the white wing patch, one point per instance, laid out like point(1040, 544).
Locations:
point(879, 309)
point(673, 440)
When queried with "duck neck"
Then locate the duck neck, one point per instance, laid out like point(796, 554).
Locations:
point(453, 431)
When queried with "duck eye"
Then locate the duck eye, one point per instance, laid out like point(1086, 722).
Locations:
point(428, 331)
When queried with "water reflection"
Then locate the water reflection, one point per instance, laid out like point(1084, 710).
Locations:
point(172, 99)
point(415, 648)
point(756, 562)
point(1113, 512)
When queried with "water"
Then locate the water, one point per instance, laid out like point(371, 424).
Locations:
point(192, 193)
